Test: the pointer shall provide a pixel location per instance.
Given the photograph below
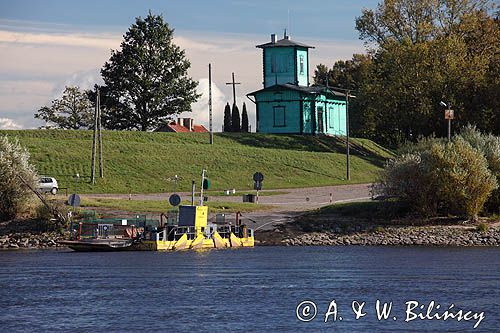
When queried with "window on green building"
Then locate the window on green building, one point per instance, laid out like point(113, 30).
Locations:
point(301, 64)
point(279, 116)
point(331, 117)
point(279, 64)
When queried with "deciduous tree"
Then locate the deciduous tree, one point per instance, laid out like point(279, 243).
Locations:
point(72, 111)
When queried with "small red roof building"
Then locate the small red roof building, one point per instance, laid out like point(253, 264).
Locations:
point(183, 125)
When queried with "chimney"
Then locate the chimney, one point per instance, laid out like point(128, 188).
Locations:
point(188, 123)
point(273, 38)
point(285, 36)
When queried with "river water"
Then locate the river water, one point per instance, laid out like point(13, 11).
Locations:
point(250, 290)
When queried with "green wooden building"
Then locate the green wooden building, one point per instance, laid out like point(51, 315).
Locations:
point(288, 103)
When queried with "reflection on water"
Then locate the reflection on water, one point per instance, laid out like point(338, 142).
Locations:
point(247, 290)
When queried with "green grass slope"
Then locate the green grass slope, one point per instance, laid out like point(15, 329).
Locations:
point(142, 162)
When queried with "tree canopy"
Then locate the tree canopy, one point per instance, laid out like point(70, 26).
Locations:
point(147, 80)
point(421, 53)
point(72, 111)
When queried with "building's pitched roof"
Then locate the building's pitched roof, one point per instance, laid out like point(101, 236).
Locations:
point(199, 129)
point(174, 127)
point(315, 89)
point(177, 128)
point(285, 42)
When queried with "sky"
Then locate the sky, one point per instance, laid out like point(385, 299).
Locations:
point(47, 45)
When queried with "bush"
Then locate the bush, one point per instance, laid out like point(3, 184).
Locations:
point(482, 227)
point(489, 145)
point(405, 179)
point(461, 176)
point(14, 168)
point(438, 177)
point(46, 214)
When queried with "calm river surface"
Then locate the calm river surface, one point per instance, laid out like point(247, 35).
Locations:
point(248, 290)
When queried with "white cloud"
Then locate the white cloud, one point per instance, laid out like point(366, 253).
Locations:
point(60, 39)
point(37, 64)
point(200, 111)
point(9, 124)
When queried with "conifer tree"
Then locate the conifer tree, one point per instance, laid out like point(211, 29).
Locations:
point(235, 119)
point(227, 119)
point(148, 77)
point(244, 119)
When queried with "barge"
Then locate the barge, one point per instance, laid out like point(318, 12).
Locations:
point(187, 229)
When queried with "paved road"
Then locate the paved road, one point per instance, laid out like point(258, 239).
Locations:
point(285, 206)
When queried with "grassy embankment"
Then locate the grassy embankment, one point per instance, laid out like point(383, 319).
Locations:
point(140, 162)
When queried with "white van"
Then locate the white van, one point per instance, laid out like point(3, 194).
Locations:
point(48, 184)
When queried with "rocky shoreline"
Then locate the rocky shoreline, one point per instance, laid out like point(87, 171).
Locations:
point(26, 240)
point(389, 236)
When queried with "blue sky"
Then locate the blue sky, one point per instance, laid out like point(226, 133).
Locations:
point(315, 18)
point(45, 45)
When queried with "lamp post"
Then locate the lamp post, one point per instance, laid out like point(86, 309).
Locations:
point(347, 128)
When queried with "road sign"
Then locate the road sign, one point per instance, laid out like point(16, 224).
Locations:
point(258, 177)
point(174, 200)
point(449, 114)
point(74, 200)
point(257, 186)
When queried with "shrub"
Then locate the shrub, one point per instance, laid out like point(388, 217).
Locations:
point(451, 178)
point(15, 172)
point(404, 178)
point(482, 227)
point(489, 145)
point(461, 176)
point(46, 214)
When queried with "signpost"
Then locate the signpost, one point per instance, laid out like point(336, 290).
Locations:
point(74, 200)
point(258, 178)
point(449, 115)
point(174, 200)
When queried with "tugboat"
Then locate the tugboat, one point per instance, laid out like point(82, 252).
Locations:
point(190, 229)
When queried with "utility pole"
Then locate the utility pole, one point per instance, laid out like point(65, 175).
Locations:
point(101, 167)
point(210, 103)
point(92, 171)
point(234, 89)
point(347, 129)
point(348, 163)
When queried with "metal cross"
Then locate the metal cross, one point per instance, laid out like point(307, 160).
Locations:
point(234, 89)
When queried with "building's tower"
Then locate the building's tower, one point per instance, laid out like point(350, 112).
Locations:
point(285, 61)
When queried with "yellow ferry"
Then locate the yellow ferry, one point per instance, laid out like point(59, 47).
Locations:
point(189, 230)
